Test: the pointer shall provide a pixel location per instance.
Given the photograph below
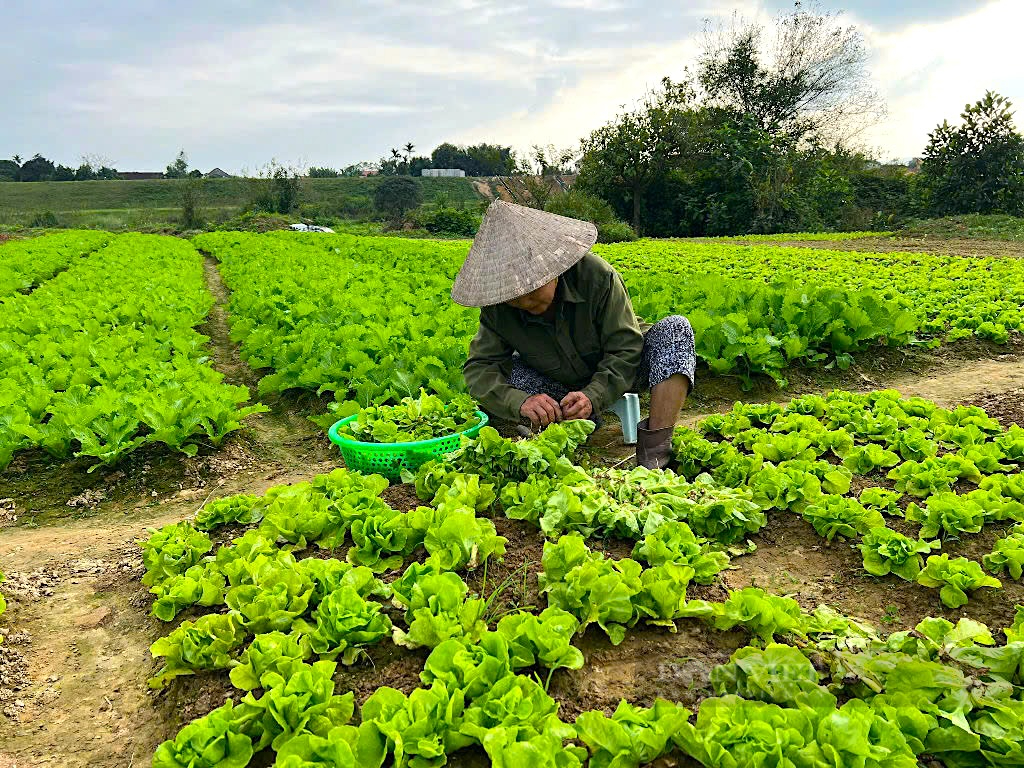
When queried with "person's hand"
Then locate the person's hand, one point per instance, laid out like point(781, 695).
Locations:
point(576, 405)
point(541, 410)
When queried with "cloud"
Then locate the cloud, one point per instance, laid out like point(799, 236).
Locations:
point(236, 82)
point(929, 71)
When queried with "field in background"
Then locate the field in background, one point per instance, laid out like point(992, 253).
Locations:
point(144, 204)
point(69, 537)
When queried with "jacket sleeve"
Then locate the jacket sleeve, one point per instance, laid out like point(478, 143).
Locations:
point(486, 372)
point(622, 344)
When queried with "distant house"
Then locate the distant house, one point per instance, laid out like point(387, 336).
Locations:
point(368, 172)
point(217, 173)
point(443, 172)
point(139, 175)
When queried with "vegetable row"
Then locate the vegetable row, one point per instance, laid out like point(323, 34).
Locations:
point(757, 309)
point(370, 319)
point(949, 472)
point(25, 264)
point(367, 318)
point(104, 358)
point(942, 690)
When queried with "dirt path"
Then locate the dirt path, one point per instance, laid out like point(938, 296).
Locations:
point(937, 245)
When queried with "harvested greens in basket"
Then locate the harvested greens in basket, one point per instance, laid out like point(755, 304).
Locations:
point(421, 418)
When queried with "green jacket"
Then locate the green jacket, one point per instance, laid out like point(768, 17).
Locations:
point(593, 346)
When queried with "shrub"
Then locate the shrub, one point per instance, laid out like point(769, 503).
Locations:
point(45, 220)
point(580, 205)
point(191, 213)
point(450, 221)
point(396, 196)
point(615, 232)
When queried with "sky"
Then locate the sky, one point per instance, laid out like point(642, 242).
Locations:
point(236, 84)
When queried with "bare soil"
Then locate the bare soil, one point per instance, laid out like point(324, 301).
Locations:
point(938, 245)
point(74, 665)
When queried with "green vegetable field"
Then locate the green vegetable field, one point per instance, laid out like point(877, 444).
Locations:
point(827, 575)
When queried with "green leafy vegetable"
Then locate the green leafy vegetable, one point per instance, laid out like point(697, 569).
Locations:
point(421, 418)
point(887, 551)
point(955, 577)
point(206, 643)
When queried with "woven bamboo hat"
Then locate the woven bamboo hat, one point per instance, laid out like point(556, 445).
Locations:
point(517, 250)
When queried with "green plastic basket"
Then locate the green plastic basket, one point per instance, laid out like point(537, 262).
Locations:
point(389, 459)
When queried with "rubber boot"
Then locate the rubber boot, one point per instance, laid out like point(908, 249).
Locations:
point(653, 446)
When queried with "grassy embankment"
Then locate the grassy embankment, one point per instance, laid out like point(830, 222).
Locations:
point(121, 205)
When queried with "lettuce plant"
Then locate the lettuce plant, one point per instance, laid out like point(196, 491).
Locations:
point(199, 585)
point(216, 740)
point(275, 593)
point(882, 499)
point(776, 447)
point(887, 551)
point(242, 509)
point(415, 730)
point(924, 478)
point(674, 542)
point(436, 608)
point(1008, 554)
point(591, 587)
point(947, 513)
point(456, 538)
point(544, 639)
point(955, 578)
point(275, 652)
point(834, 478)
point(762, 614)
point(345, 623)
point(469, 668)
point(303, 702)
point(865, 459)
point(838, 515)
point(172, 550)
point(632, 736)
point(343, 746)
point(778, 674)
point(912, 444)
point(208, 642)
point(784, 488)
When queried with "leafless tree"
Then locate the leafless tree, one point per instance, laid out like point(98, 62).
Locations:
point(806, 76)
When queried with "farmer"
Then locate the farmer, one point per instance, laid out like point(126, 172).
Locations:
point(558, 338)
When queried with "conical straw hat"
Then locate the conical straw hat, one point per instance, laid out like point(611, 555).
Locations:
point(517, 250)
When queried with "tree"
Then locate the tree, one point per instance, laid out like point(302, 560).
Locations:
point(36, 169)
point(85, 172)
point(322, 173)
point(358, 169)
point(547, 161)
point(195, 173)
point(477, 160)
point(638, 147)
point(63, 173)
point(978, 166)
point(179, 168)
point(806, 77)
point(395, 196)
point(9, 170)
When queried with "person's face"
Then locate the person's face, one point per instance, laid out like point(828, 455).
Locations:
point(538, 301)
